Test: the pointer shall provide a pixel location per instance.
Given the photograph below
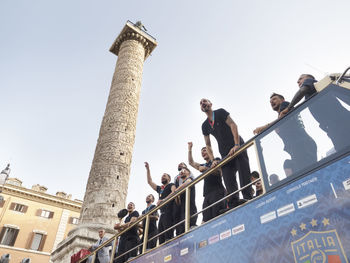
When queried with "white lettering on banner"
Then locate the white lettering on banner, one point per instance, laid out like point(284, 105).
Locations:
point(184, 251)
point(303, 184)
point(225, 234)
point(285, 210)
point(238, 229)
point(309, 200)
point(268, 217)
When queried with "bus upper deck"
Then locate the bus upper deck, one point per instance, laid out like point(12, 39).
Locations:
point(303, 215)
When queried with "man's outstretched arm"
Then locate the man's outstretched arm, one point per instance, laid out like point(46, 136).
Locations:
point(234, 130)
point(297, 97)
point(149, 178)
point(208, 145)
point(190, 157)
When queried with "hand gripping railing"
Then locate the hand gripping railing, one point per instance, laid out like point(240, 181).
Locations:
point(171, 197)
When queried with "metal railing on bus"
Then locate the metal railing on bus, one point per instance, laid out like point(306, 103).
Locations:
point(256, 141)
point(171, 197)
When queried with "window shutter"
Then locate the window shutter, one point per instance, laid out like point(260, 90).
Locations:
point(70, 220)
point(51, 215)
point(25, 208)
point(12, 206)
point(30, 240)
point(14, 237)
point(38, 212)
point(2, 203)
point(42, 243)
point(2, 233)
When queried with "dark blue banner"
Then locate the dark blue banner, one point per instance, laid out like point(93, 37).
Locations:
point(307, 221)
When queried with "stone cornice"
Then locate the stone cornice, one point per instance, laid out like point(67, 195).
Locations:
point(26, 250)
point(130, 31)
point(36, 196)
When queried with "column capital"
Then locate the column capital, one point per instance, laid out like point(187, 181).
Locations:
point(130, 31)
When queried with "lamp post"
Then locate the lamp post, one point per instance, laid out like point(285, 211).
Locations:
point(3, 177)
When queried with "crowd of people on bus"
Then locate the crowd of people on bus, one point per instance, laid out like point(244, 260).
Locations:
point(221, 182)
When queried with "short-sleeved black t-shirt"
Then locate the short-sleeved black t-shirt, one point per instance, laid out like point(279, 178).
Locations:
point(213, 181)
point(133, 231)
point(152, 222)
point(221, 131)
point(163, 193)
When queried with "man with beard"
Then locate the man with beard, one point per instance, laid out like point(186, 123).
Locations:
point(224, 129)
point(301, 147)
point(166, 212)
point(332, 117)
point(178, 181)
point(213, 189)
point(129, 239)
point(152, 227)
point(186, 178)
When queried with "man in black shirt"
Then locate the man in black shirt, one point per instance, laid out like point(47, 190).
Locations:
point(178, 181)
point(332, 117)
point(166, 212)
point(152, 227)
point(301, 147)
point(224, 129)
point(213, 189)
point(186, 178)
point(129, 239)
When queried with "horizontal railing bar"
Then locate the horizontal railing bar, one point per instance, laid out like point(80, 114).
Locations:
point(178, 193)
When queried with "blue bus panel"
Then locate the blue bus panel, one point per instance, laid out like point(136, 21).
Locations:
point(307, 221)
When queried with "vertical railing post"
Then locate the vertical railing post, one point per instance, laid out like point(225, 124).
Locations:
point(93, 257)
point(115, 241)
point(187, 210)
point(145, 235)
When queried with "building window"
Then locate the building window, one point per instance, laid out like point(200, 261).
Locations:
point(38, 241)
point(74, 220)
point(45, 213)
point(18, 207)
point(8, 236)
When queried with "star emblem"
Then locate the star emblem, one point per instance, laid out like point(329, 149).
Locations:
point(293, 232)
point(313, 222)
point(302, 226)
point(325, 221)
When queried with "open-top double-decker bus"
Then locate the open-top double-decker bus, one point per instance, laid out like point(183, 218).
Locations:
point(303, 215)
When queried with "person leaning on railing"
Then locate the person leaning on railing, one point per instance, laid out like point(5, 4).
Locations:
point(178, 181)
point(213, 189)
point(102, 256)
point(297, 142)
point(166, 212)
point(224, 129)
point(152, 227)
point(337, 126)
point(186, 177)
point(129, 239)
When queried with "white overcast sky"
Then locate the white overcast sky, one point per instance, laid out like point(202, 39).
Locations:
point(56, 70)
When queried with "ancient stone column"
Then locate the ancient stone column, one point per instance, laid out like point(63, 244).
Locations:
point(107, 185)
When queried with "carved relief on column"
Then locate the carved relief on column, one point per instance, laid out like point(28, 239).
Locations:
point(109, 176)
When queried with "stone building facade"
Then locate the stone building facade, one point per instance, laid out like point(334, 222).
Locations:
point(33, 222)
